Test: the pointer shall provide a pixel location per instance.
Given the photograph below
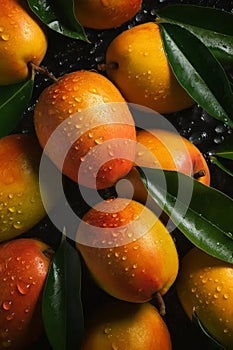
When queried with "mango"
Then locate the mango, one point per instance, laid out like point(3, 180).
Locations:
point(128, 250)
point(205, 286)
point(126, 326)
point(21, 206)
point(24, 265)
point(105, 14)
point(137, 64)
point(22, 41)
point(90, 128)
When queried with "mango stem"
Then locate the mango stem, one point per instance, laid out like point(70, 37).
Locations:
point(160, 302)
point(104, 66)
point(199, 174)
point(42, 70)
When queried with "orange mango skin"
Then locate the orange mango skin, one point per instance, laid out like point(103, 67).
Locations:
point(72, 100)
point(133, 271)
point(205, 285)
point(21, 205)
point(126, 326)
point(143, 74)
point(22, 41)
point(105, 14)
point(23, 269)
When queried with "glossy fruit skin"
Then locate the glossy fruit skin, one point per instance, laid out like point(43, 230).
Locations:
point(21, 205)
point(205, 284)
point(105, 14)
point(22, 40)
point(133, 257)
point(165, 150)
point(100, 104)
point(24, 268)
point(126, 326)
point(137, 64)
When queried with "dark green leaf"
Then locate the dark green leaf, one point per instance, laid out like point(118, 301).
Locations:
point(62, 307)
point(203, 214)
point(209, 340)
point(212, 26)
point(225, 149)
point(198, 72)
point(227, 154)
point(58, 17)
point(13, 102)
point(222, 166)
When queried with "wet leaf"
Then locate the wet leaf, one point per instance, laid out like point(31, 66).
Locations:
point(62, 306)
point(212, 26)
point(209, 340)
point(203, 214)
point(58, 16)
point(221, 166)
point(13, 102)
point(197, 70)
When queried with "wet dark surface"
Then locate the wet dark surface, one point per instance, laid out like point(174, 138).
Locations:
point(66, 55)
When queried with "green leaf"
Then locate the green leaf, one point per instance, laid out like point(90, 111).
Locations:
point(212, 26)
point(204, 216)
point(13, 102)
point(198, 72)
point(221, 166)
point(215, 345)
point(62, 307)
point(58, 16)
point(226, 154)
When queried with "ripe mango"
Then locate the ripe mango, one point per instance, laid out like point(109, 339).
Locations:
point(105, 14)
point(22, 40)
point(128, 250)
point(205, 285)
point(126, 326)
point(137, 64)
point(91, 123)
point(24, 265)
point(21, 205)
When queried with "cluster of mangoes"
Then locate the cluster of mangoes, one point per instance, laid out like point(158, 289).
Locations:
point(125, 245)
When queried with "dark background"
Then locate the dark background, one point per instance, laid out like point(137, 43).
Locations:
point(65, 55)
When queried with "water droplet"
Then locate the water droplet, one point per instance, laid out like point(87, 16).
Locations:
point(6, 343)
point(114, 346)
point(27, 310)
point(10, 195)
point(117, 254)
point(10, 317)
point(11, 209)
point(218, 288)
point(225, 296)
point(5, 37)
point(17, 225)
point(134, 266)
point(225, 331)
point(215, 296)
point(6, 305)
point(99, 140)
point(193, 290)
point(4, 333)
point(107, 330)
point(124, 258)
point(22, 287)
